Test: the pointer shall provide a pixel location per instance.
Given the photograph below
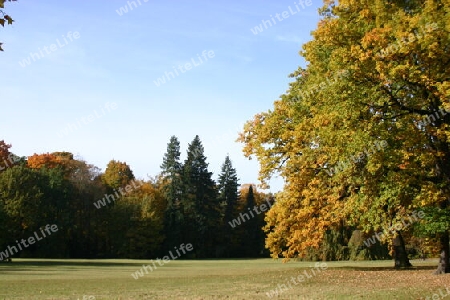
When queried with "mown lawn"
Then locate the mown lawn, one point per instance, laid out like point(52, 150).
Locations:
point(216, 279)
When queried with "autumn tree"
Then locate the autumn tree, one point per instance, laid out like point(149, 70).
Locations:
point(117, 174)
point(7, 158)
point(138, 219)
point(389, 58)
point(55, 188)
point(30, 199)
point(22, 199)
point(62, 160)
point(398, 59)
point(85, 180)
point(37, 161)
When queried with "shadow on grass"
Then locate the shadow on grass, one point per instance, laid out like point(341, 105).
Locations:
point(68, 262)
point(356, 268)
point(42, 262)
point(32, 264)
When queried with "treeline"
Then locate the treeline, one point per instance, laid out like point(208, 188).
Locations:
point(112, 214)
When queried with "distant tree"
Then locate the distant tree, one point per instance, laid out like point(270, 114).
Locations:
point(79, 188)
point(172, 189)
point(37, 161)
point(56, 209)
point(21, 197)
point(117, 174)
point(62, 160)
point(23, 202)
point(5, 223)
point(200, 206)
point(52, 189)
point(87, 188)
point(252, 227)
point(7, 158)
point(228, 195)
point(139, 222)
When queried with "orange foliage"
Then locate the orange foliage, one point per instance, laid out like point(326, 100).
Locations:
point(37, 161)
point(51, 160)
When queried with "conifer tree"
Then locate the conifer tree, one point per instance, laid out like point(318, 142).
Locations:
point(172, 192)
point(228, 195)
point(252, 232)
point(200, 204)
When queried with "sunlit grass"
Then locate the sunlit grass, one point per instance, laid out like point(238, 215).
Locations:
point(214, 279)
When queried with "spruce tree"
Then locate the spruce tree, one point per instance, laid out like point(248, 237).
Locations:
point(252, 229)
point(201, 208)
point(172, 192)
point(228, 196)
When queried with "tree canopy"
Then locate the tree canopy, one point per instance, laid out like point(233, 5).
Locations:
point(361, 136)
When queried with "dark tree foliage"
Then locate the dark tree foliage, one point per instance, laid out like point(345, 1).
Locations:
point(200, 205)
point(228, 196)
point(172, 191)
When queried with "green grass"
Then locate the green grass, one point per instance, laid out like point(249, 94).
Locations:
point(214, 279)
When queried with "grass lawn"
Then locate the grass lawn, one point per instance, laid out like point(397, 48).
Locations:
point(216, 279)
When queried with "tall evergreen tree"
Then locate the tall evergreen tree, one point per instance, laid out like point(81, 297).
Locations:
point(201, 208)
point(172, 192)
point(252, 229)
point(228, 196)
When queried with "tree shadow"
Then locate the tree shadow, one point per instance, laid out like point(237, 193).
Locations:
point(413, 268)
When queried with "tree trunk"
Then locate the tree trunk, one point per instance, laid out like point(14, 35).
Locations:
point(444, 266)
point(400, 255)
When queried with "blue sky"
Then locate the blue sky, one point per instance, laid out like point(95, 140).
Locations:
point(94, 66)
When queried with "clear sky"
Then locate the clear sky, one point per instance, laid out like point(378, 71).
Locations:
point(87, 76)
